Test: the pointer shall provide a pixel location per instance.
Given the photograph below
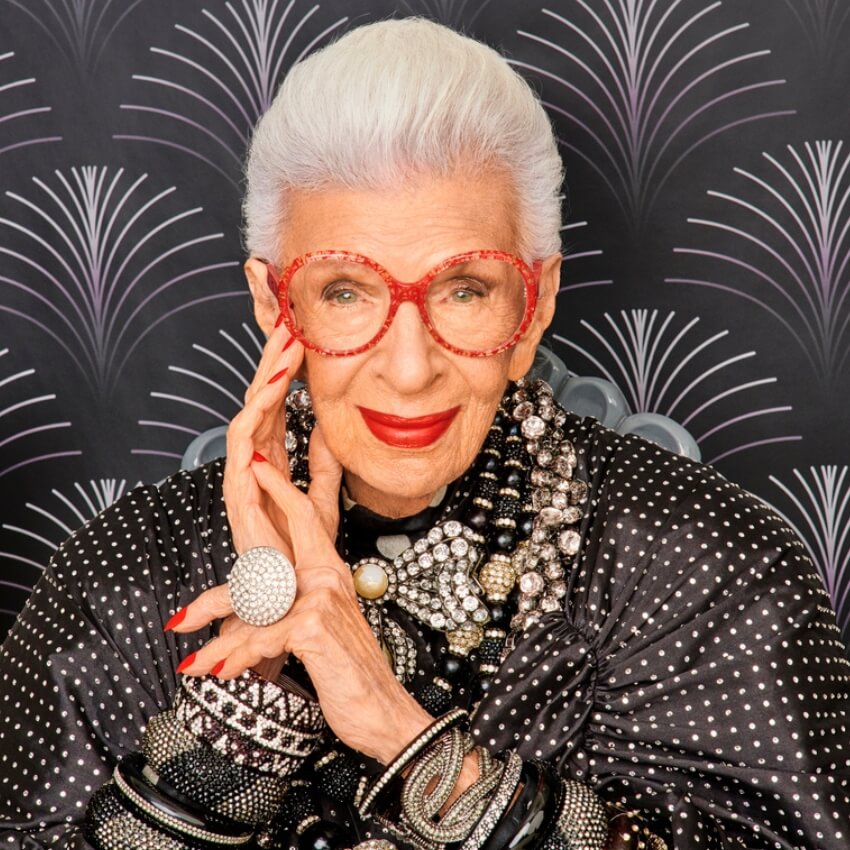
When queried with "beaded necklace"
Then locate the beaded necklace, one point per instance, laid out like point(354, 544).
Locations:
point(491, 571)
point(489, 568)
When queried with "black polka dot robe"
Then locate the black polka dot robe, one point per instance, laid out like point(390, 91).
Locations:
point(696, 672)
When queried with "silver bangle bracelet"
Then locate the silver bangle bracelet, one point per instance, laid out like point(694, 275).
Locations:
point(502, 796)
point(450, 719)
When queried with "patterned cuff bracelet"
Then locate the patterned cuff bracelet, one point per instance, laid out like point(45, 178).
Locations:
point(251, 720)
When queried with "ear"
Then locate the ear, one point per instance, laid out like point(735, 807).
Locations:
point(522, 354)
point(266, 308)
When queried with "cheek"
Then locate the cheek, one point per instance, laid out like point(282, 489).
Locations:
point(329, 382)
point(485, 385)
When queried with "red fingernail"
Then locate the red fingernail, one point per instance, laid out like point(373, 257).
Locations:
point(258, 457)
point(288, 342)
point(278, 375)
point(188, 661)
point(176, 620)
point(218, 667)
point(278, 320)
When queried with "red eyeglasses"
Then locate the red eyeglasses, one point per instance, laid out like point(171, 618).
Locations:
point(338, 303)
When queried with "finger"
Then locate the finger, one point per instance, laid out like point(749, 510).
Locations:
point(325, 481)
point(260, 427)
point(211, 605)
point(305, 523)
point(251, 648)
point(244, 656)
point(277, 344)
point(209, 656)
point(265, 407)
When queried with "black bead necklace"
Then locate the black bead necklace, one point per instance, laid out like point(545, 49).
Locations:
point(520, 500)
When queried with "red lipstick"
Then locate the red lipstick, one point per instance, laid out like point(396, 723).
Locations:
point(408, 433)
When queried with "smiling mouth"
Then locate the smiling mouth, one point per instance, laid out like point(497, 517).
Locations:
point(408, 432)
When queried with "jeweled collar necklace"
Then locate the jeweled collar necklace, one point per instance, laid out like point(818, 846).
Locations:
point(514, 541)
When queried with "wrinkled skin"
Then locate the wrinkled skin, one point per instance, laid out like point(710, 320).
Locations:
point(407, 373)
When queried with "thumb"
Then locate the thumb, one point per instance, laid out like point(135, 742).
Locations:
point(325, 480)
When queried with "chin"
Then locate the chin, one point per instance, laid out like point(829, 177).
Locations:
point(410, 475)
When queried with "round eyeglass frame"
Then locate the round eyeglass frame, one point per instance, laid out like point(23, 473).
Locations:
point(403, 291)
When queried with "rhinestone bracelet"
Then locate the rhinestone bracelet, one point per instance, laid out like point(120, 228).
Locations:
point(444, 762)
point(450, 719)
point(109, 825)
point(168, 817)
point(502, 796)
point(534, 811)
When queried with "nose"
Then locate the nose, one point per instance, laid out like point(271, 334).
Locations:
point(409, 357)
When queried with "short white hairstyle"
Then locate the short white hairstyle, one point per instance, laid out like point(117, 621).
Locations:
point(394, 98)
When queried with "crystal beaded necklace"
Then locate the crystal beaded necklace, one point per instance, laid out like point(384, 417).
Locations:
point(491, 565)
point(509, 545)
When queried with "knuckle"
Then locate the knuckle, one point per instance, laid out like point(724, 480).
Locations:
point(311, 622)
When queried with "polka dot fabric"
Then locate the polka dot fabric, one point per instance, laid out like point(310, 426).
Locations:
point(696, 673)
point(87, 663)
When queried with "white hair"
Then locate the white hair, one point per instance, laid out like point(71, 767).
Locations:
point(393, 98)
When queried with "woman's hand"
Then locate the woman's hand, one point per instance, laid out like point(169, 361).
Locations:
point(360, 697)
point(256, 432)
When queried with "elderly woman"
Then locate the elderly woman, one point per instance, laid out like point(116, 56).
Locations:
point(511, 627)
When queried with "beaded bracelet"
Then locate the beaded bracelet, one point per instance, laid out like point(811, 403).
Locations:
point(532, 814)
point(145, 800)
point(447, 721)
point(199, 772)
point(502, 796)
point(582, 818)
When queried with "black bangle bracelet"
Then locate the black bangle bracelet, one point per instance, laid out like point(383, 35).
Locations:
point(533, 813)
point(163, 813)
point(135, 765)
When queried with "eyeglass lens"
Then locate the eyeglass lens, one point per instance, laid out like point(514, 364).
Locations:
point(475, 305)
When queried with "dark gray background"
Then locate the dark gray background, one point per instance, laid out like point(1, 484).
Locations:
point(108, 367)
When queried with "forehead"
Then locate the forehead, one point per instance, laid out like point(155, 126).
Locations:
point(407, 228)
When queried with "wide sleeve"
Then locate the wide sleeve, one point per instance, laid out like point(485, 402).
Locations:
point(87, 662)
point(697, 673)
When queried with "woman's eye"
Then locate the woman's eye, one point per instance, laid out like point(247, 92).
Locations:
point(340, 294)
point(464, 296)
point(467, 291)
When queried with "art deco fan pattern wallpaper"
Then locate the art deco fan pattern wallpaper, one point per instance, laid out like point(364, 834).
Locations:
point(706, 236)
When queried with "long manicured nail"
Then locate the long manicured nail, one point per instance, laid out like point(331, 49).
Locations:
point(279, 375)
point(288, 342)
point(176, 620)
point(218, 667)
point(259, 458)
point(278, 320)
point(188, 661)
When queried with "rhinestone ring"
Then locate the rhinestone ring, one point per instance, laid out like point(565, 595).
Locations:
point(262, 585)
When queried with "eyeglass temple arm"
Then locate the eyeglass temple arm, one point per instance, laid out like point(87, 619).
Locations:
point(270, 276)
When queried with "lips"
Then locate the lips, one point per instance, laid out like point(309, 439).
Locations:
point(408, 432)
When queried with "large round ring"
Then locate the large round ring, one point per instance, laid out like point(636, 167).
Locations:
point(262, 585)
